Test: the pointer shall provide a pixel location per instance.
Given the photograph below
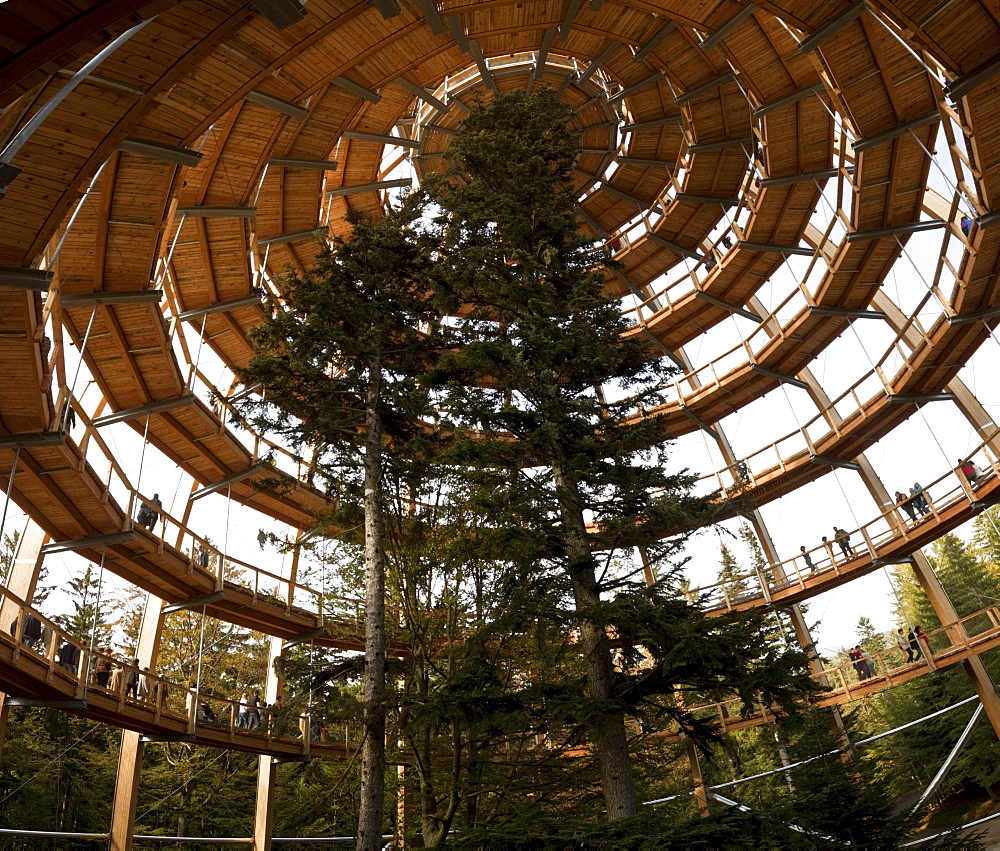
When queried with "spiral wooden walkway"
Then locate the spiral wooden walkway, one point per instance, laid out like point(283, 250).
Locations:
point(209, 150)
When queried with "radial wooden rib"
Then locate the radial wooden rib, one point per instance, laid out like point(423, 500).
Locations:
point(40, 39)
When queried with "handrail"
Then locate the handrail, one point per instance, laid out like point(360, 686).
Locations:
point(124, 682)
point(876, 534)
point(957, 644)
point(119, 490)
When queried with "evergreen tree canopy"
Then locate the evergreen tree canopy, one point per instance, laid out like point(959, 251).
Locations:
point(543, 390)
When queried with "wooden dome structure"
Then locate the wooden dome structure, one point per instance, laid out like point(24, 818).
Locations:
point(163, 161)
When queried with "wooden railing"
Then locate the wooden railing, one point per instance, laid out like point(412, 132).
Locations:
point(941, 647)
point(170, 534)
point(158, 699)
point(892, 523)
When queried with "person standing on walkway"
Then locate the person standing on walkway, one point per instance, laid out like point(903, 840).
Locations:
point(243, 716)
point(842, 538)
point(142, 687)
point(920, 499)
point(921, 641)
point(915, 647)
point(829, 550)
point(907, 505)
point(904, 646)
point(807, 559)
point(69, 657)
point(866, 663)
point(132, 680)
point(102, 667)
point(255, 705)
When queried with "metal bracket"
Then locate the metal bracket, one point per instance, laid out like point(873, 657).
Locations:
point(84, 543)
point(180, 737)
point(291, 758)
point(194, 602)
point(304, 638)
point(835, 462)
point(41, 438)
point(46, 704)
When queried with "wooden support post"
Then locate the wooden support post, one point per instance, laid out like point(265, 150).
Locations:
point(799, 625)
point(130, 755)
point(24, 571)
point(965, 399)
point(700, 793)
point(945, 610)
point(976, 414)
point(126, 790)
point(21, 582)
point(402, 809)
point(263, 822)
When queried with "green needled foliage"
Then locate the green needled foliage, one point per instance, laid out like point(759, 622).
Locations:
point(544, 391)
point(314, 354)
point(337, 365)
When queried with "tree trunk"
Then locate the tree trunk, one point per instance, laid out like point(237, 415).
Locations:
point(608, 728)
point(369, 837)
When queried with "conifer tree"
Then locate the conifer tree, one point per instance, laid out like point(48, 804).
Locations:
point(731, 574)
point(972, 583)
point(337, 365)
point(545, 376)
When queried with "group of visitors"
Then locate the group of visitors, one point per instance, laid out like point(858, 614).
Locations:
point(914, 504)
point(104, 671)
point(130, 679)
point(912, 644)
point(971, 470)
point(862, 662)
point(249, 716)
point(843, 540)
point(33, 631)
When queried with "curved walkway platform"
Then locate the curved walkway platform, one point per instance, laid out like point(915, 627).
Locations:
point(31, 675)
point(891, 538)
point(943, 649)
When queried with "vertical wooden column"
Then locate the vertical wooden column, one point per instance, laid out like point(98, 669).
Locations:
point(263, 822)
point(24, 571)
point(700, 792)
point(973, 410)
point(403, 802)
point(970, 406)
point(21, 582)
point(132, 747)
point(965, 399)
point(798, 621)
point(945, 610)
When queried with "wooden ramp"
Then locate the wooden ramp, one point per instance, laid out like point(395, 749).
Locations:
point(944, 648)
point(33, 676)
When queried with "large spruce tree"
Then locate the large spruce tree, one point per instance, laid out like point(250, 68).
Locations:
point(544, 376)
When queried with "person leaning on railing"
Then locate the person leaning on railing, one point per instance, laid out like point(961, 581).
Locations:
point(69, 657)
point(142, 686)
point(102, 667)
point(907, 505)
point(920, 499)
point(31, 631)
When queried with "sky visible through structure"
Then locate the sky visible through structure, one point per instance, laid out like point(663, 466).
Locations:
point(922, 449)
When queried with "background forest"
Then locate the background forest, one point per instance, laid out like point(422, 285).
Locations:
point(58, 771)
